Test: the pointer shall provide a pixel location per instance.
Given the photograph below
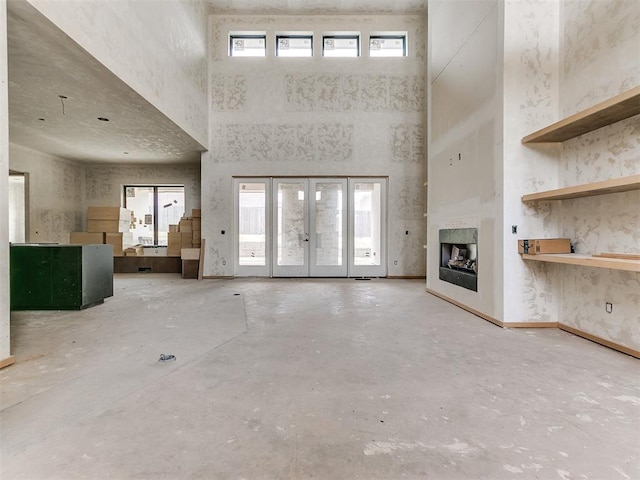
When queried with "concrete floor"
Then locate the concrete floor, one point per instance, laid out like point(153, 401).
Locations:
point(324, 379)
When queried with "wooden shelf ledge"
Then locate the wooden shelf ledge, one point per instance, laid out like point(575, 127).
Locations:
point(587, 261)
point(624, 105)
point(616, 185)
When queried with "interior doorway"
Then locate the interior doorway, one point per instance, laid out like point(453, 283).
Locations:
point(310, 227)
point(18, 207)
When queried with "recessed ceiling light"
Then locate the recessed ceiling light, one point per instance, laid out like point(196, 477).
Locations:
point(103, 119)
point(126, 153)
point(64, 97)
point(41, 119)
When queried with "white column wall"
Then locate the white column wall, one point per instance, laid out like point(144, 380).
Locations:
point(465, 147)
point(158, 48)
point(317, 117)
point(531, 289)
point(5, 353)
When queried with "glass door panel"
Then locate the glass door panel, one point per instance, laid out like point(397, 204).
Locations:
point(251, 227)
point(367, 246)
point(291, 228)
point(328, 228)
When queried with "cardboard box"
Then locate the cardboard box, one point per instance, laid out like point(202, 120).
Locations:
point(196, 212)
point(539, 246)
point(119, 241)
point(186, 240)
point(190, 254)
point(174, 228)
point(174, 244)
point(109, 213)
point(112, 226)
point(195, 235)
point(196, 223)
point(86, 238)
point(135, 251)
point(190, 268)
point(186, 225)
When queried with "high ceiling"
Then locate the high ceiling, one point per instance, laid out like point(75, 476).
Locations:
point(44, 63)
point(318, 7)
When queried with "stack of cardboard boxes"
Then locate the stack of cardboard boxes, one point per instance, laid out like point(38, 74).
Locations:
point(106, 225)
point(184, 235)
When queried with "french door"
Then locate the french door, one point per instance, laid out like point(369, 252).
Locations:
point(310, 227)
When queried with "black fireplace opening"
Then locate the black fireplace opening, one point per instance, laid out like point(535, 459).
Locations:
point(459, 257)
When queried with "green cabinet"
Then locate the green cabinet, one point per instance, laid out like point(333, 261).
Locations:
point(60, 277)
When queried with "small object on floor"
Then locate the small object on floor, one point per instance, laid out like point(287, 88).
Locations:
point(166, 358)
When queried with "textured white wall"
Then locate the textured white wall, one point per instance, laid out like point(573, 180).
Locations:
point(465, 155)
point(157, 47)
point(317, 116)
point(530, 101)
point(104, 182)
point(56, 189)
point(599, 51)
point(4, 189)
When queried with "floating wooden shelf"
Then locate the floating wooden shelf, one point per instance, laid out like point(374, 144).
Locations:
point(622, 106)
point(615, 185)
point(587, 261)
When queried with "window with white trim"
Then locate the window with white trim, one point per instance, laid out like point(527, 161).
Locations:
point(341, 46)
point(294, 45)
point(388, 45)
point(248, 45)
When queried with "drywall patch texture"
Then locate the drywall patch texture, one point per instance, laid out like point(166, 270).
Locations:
point(317, 117)
point(323, 143)
point(56, 189)
point(530, 101)
point(104, 183)
point(599, 51)
point(159, 48)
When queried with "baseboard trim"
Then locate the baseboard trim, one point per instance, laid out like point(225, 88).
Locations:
point(10, 360)
point(530, 324)
point(566, 328)
point(600, 340)
point(406, 277)
point(217, 277)
point(465, 307)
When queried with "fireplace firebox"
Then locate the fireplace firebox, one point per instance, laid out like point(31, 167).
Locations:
point(459, 257)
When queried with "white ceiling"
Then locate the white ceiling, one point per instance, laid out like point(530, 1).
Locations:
point(45, 63)
point(318, 7)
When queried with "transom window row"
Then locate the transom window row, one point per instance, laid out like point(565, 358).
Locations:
point(333, 45)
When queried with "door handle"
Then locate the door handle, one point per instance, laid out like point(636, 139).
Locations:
point(306, 237)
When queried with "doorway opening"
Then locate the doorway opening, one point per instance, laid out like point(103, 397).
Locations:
point(310, 227)
point(18, 207)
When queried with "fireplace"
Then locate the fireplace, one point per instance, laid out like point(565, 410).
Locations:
point(459, 257)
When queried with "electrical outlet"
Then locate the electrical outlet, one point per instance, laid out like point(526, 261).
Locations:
point(395, 262)
point(514, 229)
point(224, 262)
point(608, 306)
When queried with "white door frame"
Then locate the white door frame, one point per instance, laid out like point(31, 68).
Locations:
point(251, 270)
point(368, 270)
point(303, 236)
point(316, 270)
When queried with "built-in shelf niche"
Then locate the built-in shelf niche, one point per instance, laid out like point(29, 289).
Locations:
point(587, 261)
point(624, 184)
point(615, 109)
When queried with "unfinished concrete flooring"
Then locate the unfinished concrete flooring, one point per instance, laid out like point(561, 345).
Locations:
point(294, 379)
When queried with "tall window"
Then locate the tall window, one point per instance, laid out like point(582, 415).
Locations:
point(154, 209)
